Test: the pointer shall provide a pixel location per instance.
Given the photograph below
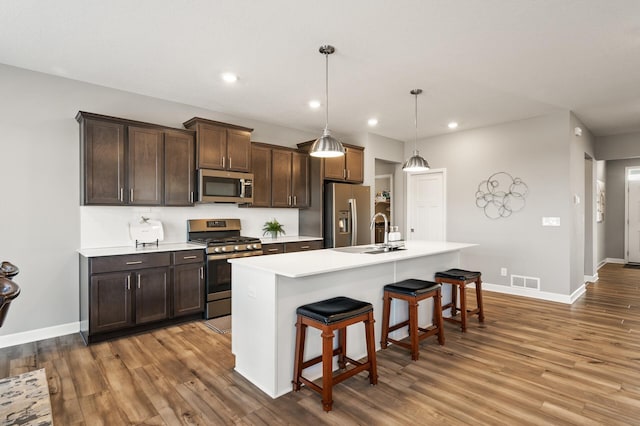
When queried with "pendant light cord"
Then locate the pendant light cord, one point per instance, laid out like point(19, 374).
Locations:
point(415, 141)
point(326, 87)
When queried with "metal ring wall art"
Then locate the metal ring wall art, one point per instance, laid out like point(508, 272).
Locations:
point(501, 195)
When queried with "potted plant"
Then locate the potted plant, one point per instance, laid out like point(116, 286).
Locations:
point(273, 227)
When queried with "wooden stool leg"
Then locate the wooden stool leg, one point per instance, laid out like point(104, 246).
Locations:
point(454, 300)
point(342, 342)
point(371, 349)
point(437, 316)
point(413, 329)
point(479, 299)
point(386, 312)
point(327, 369)
point(301, 331)
point(463, 307)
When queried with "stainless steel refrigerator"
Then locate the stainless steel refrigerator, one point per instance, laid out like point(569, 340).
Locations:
point(347, 215)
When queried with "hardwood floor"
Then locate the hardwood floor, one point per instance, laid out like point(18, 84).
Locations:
point(532, 362)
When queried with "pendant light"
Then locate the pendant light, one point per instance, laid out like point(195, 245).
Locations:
point(326, 145)
point(415, 163)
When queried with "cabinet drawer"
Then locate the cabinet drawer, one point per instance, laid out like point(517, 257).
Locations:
point(303, 246)
point(273, 248)
point(188, 256)
point(129, 262)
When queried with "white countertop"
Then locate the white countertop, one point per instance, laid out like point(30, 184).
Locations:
point(314, 262)
point(115, 251)
point(285, 239)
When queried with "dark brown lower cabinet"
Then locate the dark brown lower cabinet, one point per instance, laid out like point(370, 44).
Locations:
point(276, 248)
point(124, 294)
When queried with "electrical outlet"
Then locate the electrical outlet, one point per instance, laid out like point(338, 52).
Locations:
point(503, 272)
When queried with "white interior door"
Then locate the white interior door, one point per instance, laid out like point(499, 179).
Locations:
point(633, 215)
point(426, 206)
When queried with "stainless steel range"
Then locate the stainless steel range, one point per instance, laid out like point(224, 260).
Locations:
point(223, 241)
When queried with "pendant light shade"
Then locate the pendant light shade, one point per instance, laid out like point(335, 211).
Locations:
point(326, 145)
point(415, 163)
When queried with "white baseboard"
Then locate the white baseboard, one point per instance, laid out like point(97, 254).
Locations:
point(614, 260)
point(535, 294)
point(591, 278)
point(39, 334)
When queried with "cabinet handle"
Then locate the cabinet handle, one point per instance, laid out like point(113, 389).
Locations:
point(230, 162)
point(223, 162)
point(128, 282)
point(137, 262)
point(344, 173)
point(189, 257)
point(191, 197)
point(202, 272)
point(273, 249)
point(288, 200)
point(295, 200)
point(138, 280)
point(305, 247)
point(131, 195)
point(121, 197)
point(348, 174)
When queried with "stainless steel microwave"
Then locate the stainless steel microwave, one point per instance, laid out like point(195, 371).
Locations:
point(219, 186)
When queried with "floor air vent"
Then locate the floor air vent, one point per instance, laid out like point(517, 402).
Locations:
point(520, 281)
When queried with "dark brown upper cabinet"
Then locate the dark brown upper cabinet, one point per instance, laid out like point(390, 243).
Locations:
point(221, 146)
point(261, 169)
point(347, 168)
point(281, 176)
point(146, 155)
point(179, 169)
point(126, 162)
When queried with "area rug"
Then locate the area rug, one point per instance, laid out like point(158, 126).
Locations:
point(632, 265)
point(24, 400)
point(221, 325)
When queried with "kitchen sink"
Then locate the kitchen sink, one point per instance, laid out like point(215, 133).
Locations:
point(367, 249)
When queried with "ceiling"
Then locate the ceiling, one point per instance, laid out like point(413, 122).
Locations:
point(479, 62)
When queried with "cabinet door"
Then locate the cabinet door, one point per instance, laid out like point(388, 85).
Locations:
point(334, 168)
point(145, 166)
point(261, 169)
point(273, 248)
point(179, 169)
point(104, 162)
point(152, 295)
point(238, 150)
point(354, 159)
point(212, 146)
point(280, 178)
point(303, 246)
point(300, 179)
point(110, 304)
point(188, 289)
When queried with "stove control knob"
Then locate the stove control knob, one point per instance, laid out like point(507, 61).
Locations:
point(236, 248)
point(216, 250)
point(224, 249)
point(255, 246)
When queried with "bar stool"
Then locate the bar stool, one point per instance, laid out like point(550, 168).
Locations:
point(459, 278)
point(327, 316)
point(412, 291)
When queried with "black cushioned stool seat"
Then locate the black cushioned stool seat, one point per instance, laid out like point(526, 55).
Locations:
point(412, 291)
point(459, 279)
point(328, 316)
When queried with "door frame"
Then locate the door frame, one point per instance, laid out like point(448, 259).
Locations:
point(409, 201)
point(626, 211)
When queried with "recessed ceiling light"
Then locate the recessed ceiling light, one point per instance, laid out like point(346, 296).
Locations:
point(372, 122)
point(453, 125)
point(229, 77)
point(314, 104)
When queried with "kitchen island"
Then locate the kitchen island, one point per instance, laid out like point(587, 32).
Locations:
point(268, 289)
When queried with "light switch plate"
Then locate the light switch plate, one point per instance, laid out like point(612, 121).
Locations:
point(550, 221)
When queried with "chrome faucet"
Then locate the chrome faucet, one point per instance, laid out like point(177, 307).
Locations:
point(386, 226)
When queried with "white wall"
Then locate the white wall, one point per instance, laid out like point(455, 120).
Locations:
point(535, 150)
point(615, 206)
point(41, 222)
point(601, 231)
point(618, 147)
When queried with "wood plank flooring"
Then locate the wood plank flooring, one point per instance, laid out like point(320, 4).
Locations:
point(532, 362)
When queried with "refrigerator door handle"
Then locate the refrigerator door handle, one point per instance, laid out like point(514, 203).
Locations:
point(354, 221)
